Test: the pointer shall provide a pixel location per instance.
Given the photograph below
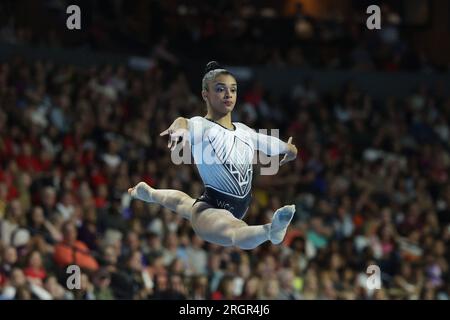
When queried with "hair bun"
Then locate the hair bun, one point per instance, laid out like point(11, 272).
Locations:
point(212, 65)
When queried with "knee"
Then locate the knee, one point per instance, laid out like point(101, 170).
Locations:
point(224, 238)
point(230, 237)
point(238, 238)
point(227, 238)
point(233, 237)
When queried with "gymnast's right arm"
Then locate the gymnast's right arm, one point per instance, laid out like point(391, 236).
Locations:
point(187, 129)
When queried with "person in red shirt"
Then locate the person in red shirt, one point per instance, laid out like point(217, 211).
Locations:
point(101, 198)
point(71, 251)
point(35, 270)
point(2, 280)
point(225, 289)
point(27, 161)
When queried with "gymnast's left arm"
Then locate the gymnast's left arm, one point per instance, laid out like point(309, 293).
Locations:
point(291, 153)
point(272, 146)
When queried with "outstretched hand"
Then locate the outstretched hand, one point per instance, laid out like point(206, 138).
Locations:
point(178, 129)
point(291, 154)
point(174, 137)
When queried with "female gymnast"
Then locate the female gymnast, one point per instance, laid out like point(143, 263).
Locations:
point(217, 215)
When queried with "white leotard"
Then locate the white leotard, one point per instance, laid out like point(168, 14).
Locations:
point(224, 157)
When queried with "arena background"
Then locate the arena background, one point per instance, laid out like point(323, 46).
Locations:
point(80, 117)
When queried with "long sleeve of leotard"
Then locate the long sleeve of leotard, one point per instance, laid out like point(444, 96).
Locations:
point(269, 145)
point(195, 127)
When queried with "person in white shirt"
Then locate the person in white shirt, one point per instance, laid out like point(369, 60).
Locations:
point(223, 153)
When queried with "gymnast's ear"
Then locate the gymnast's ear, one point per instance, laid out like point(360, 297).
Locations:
point(205, 95)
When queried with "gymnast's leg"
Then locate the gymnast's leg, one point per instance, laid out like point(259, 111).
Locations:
point(174, 200)
point(219, 226)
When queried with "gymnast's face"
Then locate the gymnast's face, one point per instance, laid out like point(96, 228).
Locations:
point(221, 94)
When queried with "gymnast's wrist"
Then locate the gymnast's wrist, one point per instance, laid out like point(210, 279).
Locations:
point(291, 149)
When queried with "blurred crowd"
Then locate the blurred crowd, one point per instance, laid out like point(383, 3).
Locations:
point(278, 33)
point(370, 184)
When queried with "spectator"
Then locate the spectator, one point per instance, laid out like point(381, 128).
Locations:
point(39, 225)
point(103, 290)
point(72, 251)
point(287, 290)
point(9, 261)
point(177, 288)
point(251, 288)
point(225, 289)
point(270, 289)
point(17, 287)
point(197, 256)
point(14, 219)
point(86, 291)
point(35, 271)
point(200, 288)
point(56, 290)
